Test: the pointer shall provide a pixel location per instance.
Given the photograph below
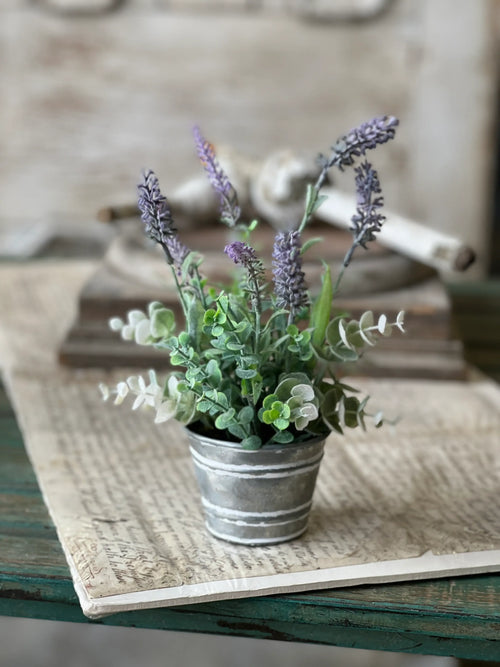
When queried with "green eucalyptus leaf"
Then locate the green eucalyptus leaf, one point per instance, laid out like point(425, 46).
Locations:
point(246, 415)
point(345, 354)
point(221, 398)
point(217, 330)
point(281, 424)
point(246, 373)
point(351, 407)
point(234, 346)
point(237, 430)
point(177, 359)
point(154, 305)
point(223, 302)
point(183, 339)
point(209, 317)
point(214, 375)
point(283, 437)
point(252, 442)
point(269, 400)
point(332, 332)
point(224, 419)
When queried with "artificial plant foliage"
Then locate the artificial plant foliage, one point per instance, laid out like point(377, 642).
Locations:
point(257, 362)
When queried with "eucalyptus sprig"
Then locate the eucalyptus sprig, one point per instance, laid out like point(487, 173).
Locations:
point(259, 362)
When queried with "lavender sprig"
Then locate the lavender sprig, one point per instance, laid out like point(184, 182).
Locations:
point(367, 220)
point(360, 139)
point(229, 208)
point(289, 279)
point(355, 143)
point(158, 221)
point(244, 255)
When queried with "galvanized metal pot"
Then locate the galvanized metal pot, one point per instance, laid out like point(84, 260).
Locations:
point(256, 497)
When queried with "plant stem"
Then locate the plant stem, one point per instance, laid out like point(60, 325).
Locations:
point(179, 290)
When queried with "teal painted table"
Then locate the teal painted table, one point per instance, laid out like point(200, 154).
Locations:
point(459, 617)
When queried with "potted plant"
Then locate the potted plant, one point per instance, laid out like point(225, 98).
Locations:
point(254, 376)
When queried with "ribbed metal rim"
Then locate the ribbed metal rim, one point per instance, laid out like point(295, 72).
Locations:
point(234, 446)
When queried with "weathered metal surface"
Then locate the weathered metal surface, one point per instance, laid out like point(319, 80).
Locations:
point(458, 617)
point(257, 497)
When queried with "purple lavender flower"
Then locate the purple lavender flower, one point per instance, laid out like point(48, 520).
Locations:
point(360, 139)
point(289, 279)
point(367, 220)
point(244, 255)
point(229, 208)
point(241, 253)
point(158, 221)
point(178, 252)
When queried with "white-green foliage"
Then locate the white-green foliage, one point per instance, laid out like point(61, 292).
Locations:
point(272, 387)
point(146, 329)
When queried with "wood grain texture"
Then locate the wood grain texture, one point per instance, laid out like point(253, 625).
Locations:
point(93, 100)
point(458, 617)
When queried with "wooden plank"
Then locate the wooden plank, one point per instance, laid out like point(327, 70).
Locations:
point(119, 96)
point(476, 317)
point(448, 617)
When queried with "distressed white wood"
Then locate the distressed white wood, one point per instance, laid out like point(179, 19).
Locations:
point(452, 120)
point(78, 6)
point(87, 102)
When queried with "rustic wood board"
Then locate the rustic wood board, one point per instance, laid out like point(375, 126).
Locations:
point(457, 617)
point(92, 100)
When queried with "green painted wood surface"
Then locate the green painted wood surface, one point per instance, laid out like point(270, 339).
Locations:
point(476, 316)
point(459, 617)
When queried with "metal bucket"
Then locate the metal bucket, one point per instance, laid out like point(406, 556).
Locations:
point(256, 497)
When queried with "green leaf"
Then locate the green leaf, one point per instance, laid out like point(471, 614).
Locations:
point(281, 424)
point(321, 311)
point(318, 202)
point(214, 375)
point(257, 386)
point(246, 373)
point(195, 317)
point(177, 359)
point(183, 339)
point(266, 416)
point(209, 317)
point(192, 260)
point(193, 374)
point(234, 347)
point(345, 354)
point(224, 419)
point(309, 243)
point(162, 322)
point(154, 305)
point(237, 431)
point(223, 302)
point(351, 406)
point(269, 400)
point(246, 415)
point(282, 437)
point(252, 442)
point(222, 399)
